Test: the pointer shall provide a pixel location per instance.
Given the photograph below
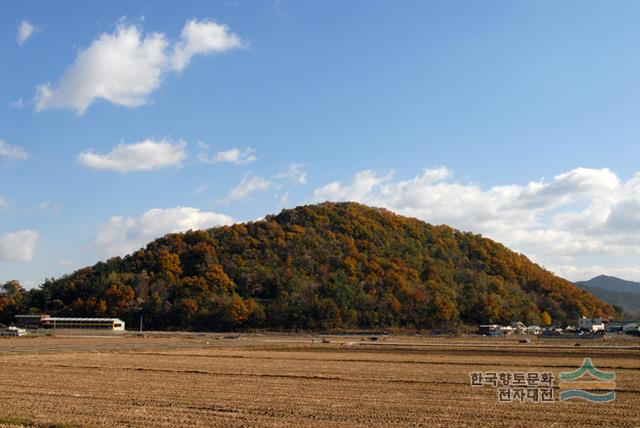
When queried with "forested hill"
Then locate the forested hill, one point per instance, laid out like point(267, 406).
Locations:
point(332, 265)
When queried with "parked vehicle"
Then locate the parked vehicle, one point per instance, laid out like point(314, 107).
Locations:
point(13, 331)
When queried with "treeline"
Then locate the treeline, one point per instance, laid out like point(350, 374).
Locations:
point(326, 266)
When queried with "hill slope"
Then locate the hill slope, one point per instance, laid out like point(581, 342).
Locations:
point(319, 266)
point(615, 291)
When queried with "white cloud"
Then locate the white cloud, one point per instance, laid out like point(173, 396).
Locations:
point(141, 156)
point(570, 223)
point(247, 185)
point(3, 203)
point(124, 67)
point(18, 246)
point(120, 235)
point(234, 156)
point(25, 31)
point(294, 172)
point(202, 37)
point(363, 183)
point(12, 152)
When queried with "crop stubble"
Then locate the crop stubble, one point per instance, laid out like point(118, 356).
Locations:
point(268, 380)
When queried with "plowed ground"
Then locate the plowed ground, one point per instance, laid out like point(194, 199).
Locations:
point(270, 380)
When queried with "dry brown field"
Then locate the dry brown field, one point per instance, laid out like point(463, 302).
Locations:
point(296, 380)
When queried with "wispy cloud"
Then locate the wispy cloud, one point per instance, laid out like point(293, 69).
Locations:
point(234, 156)
point(65, 263)
point(12, 152)
point(49, 207)
point(19, 103)
point(248, 185)
point(279, 8)
point(251, 184)
point(283, 200)
point(295, 172)
point(25, 31)
point(201, 188)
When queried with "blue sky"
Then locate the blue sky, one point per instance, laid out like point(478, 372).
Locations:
point(122, 121)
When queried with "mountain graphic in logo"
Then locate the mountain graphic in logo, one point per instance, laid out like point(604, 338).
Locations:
point(588, 383)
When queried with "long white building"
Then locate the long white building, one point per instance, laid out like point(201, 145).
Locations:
point(59, 323)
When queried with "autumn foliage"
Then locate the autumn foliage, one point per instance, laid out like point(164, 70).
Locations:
point(332, 265)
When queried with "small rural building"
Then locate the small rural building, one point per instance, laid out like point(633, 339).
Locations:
point(507, 330)
point(630, 328)
point(534, 329)
point(490, 330)
point(614, 328)
point(591, 324)
point(519, 327)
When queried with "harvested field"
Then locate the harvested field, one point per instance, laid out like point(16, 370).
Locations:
point(279, 380)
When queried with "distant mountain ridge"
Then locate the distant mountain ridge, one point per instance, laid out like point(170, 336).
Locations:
point(611, 283)
point(615, 291)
